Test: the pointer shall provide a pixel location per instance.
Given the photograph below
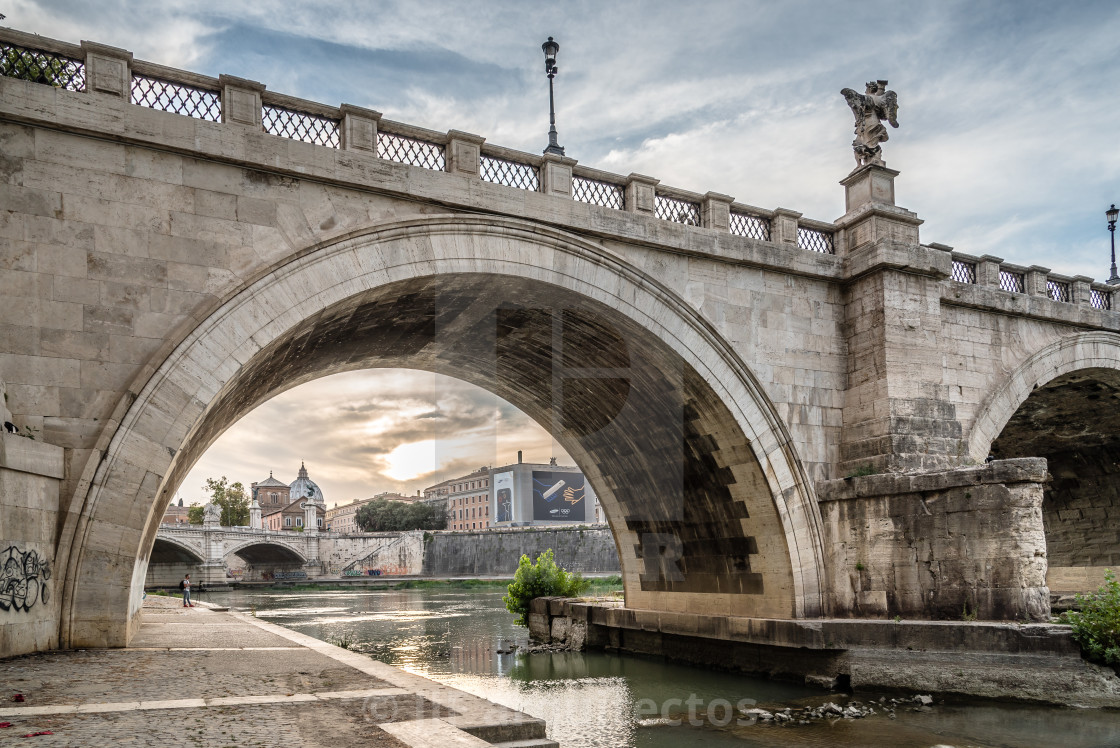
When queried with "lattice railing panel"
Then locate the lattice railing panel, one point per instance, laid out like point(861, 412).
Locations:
point(411, 151)
point(1013, 282)
point(755, 227)
point(510, 173)
point(964, 272)
point(815, 241)
point(599, 193)
point(1058, 291)
point(676, 210)
point(1100, 299)
point(180, 98)
point(38, 66)
point(310, 128)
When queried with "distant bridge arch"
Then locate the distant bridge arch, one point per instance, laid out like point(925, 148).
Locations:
point(264, 552)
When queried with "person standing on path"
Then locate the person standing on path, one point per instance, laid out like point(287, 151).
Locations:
point(185, 586)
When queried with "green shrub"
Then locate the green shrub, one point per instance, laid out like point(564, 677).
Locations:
point(1096, 626)
point(541, 579)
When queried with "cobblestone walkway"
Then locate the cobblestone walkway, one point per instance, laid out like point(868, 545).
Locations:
point(200, 677)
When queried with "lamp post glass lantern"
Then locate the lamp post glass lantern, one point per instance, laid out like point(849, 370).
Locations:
point(550, 49)
point(1112, 214)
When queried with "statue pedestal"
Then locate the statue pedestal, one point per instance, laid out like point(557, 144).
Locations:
point(871, 214)
point(868, 184)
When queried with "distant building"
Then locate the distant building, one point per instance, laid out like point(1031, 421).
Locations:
point(176, 514)
point(525, 494)
point(468, 500)
point(344, 517)
point(275, 506)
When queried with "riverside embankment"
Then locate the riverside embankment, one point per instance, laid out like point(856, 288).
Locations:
point(1037, 663)
point(203, 677)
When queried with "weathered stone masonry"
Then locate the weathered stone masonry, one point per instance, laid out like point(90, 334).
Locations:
point(165, 274)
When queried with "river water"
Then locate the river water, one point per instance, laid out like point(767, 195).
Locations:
point(601, 700)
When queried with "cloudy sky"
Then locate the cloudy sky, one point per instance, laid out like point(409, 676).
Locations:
point(1009, 141)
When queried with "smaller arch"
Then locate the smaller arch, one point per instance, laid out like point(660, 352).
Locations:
point(267, 552)
point(167, 550)
point(1084, 350)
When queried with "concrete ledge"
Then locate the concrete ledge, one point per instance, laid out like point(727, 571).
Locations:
point(1022, 470)
point(25, 455)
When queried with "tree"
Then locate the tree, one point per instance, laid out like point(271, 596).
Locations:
point(541, 579)
point(194, 514)
point(232, 499)
point(381, 515)
point(32, 66)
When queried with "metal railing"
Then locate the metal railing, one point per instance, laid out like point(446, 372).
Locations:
point(1013, 282)
point(1100, 299)
point(815, 240)
point(40, 66)
point(750, 225)
point(406, 150)
point(1058, 291)
point(180, 98)
point(964, 272)
point(596, 192)
point(510, 173)
point(677, 210)
point(297, 125)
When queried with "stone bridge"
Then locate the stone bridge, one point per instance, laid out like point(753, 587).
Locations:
point(783, 417)
point(209, 552)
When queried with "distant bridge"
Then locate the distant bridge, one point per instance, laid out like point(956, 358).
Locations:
point(210, 553)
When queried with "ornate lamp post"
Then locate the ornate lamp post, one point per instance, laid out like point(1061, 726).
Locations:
point(550, 49)
point(1112, 213)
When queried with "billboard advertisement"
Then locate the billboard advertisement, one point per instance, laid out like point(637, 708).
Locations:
point(558, 497)
point(503, 497)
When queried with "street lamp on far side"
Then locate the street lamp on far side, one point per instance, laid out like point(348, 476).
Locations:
point(550, 49)
point(1112, 213)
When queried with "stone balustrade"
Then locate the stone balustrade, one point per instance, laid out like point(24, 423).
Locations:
point(1033, 281)
point(103, 69)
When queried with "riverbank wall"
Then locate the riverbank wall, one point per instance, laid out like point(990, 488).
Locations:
point(586, 549)
point(1038, 663)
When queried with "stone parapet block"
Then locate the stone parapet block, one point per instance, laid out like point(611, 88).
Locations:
point(783, 226)
point(641, 196)
point(108, 70)
point(464, 153)
point(987, 270)
point(1035, 279)
point(241, 101)
point(715, 211)
point(359, 128)
point(556, 175)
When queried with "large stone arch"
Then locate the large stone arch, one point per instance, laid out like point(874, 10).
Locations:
point(735, 531)
point(1063, 404)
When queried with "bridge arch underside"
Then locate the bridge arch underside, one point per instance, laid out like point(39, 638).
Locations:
point(695, 471)
point(1073, 421)
point(168, 552)
point(267, 555)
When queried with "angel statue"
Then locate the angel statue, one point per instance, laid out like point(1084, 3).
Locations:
point(869, 108)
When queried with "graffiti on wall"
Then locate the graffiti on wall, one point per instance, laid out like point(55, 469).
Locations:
point(23, 579)
point(388, 570)
point(280, 575)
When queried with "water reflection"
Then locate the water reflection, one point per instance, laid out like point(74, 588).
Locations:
point(592, 700)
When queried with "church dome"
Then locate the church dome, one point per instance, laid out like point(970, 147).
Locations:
point(305, 489)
